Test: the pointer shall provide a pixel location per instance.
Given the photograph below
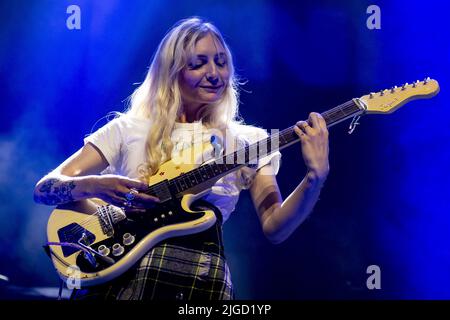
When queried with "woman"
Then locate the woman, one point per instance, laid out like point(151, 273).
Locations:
point(190, 84)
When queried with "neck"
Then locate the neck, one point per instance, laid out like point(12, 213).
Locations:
point(190, 113)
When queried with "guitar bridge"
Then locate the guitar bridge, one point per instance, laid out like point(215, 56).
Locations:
point(110, 215)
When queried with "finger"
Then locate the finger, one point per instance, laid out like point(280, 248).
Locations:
point(140, 200)
point(314, 120)
point(118, 201)
point(322, 122)
point(139, 196)
point(300, 133)
point(304, 126)
point(136, 184)
point(145, 198)
point(319, 123)
point(135, 210)
point(130, 206)
point(119, 198)
point(325, 131)
point(123, 192)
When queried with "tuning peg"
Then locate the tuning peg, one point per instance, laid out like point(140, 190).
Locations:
point(404, 86)
point(382, 93)
point(415, 83)
point(393, 89)
point(425, 81)
point(371, 95)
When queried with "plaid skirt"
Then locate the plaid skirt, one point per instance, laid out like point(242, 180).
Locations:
point(189, 267)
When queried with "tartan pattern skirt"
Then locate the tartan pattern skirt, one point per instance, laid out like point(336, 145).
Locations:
point(189, 267)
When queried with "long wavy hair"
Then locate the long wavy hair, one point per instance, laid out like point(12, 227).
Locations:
point(158, 98)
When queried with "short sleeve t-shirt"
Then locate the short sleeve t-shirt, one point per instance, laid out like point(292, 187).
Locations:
point(122, 142)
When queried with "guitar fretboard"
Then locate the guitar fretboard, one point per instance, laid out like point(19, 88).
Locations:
point(247, 155)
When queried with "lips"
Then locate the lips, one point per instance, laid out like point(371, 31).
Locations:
point(211, 87)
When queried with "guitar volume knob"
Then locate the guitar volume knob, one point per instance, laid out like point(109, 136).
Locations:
point(117, 249)
point(128, 239)
point(103, 250)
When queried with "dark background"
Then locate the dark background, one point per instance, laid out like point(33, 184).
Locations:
point(386, 200)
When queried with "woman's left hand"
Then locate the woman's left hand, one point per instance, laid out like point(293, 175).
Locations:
point(314, 145)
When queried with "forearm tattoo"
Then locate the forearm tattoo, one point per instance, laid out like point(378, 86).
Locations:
point(54, 192)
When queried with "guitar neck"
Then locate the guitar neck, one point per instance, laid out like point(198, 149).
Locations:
point(248, 155)
point(288, 136)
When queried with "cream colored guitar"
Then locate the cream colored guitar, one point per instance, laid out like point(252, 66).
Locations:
point(101, 242)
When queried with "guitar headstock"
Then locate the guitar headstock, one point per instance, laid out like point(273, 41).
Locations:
point(389, 100)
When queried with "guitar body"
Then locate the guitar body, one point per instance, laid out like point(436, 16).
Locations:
point(131, 237)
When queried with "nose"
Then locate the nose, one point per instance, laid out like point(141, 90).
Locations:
point(212, 75)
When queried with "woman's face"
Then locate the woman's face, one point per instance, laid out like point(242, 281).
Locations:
point(206, 74)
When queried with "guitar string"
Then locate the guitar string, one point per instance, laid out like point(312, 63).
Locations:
point(330, 114)
point(94, 219)
point(347, 109)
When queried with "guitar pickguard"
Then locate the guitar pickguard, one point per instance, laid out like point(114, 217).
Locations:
point(72, 233)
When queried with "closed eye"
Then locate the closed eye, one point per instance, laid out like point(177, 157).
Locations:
point(196, 65)
point(221, 62)
point(219, 59)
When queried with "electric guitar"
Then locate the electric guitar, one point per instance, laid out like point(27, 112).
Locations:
point(98, 242)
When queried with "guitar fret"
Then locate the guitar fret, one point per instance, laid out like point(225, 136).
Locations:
point(175, 183)
point(205, 175)
point(256, 151)
point(187, 180)
point(196, 176)
point(183, 183)
point(192, 178)
point(223, 168)
point(212, 170)
point(340, 109)
point(161, 190)
point(239, 154)
point(340, 112)
point(267, 146)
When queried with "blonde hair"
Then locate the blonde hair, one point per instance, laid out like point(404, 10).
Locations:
point(158, 98)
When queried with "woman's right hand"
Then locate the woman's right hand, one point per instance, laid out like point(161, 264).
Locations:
point(113, 189)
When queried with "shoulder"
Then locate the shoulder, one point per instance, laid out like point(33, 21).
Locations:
point(249, 132)
point(124, 123)
point(128, 121)
point(121, 128)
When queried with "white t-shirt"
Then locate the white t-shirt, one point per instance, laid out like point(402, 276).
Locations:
point(122, 143)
